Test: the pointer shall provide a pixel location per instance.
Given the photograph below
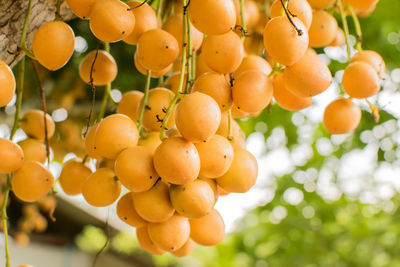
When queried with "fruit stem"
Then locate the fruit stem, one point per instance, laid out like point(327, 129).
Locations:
point(25, 27)
point(345, 28)
point(160, 82)
point(190, 77)
point(230, 136)
point(58, 8)
point(20, 90)
point(107, 91)
point(242, 20)
point(141, 4)
point(160, 9)
point(374, 111)
point(299, 31)
point(144, 103)
point(358, 28)
point(85, 158)
point(4, 219)
point(194, 58)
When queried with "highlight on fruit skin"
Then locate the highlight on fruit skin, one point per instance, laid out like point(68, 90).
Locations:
point(321, 4)
point(286, 99)
point(323, 29)
point(372, 58)
point(342, 116)
point(53, 44)
point(32, 123)
point(7, 84)
point(12, 156)
point(33, 150)
point(360, 80)
point(104, 68)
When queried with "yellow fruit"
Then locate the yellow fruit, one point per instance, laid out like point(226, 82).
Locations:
point(223, 53)
point(32, 123)
point(154, 74)
point(115, 133)
point(286, 99)
point(32, 181)
point(177, 161)
point(360, 80)
point(172, 82)
point(12, 156)
point(253, 62)
point(342, 116)
point(7, 84)
point(300, 8)
point(201, 66)
point(323, 29)
point(81, 8)
point(111, 21)
point(151, 141)
point(73, 176)
point(208, 230)
point(321, 4)
point(127, 213)
point(242, 173)
point(237, 134)
point(129, 104)
point(145, 242)
point(53, 44)
point(171, 234)
point(362, 5)
point(251, 13)
point(104, 68)
point(144, 203)
point(186, 249)
point(89, 142)
point(212, 17)
point(101, 188)
point(372, 58)
point(214, 186)
point(33, 150)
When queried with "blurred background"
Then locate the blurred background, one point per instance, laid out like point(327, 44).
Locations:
point(319, 200)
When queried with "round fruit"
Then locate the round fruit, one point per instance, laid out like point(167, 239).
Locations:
point(89, 142)
point(154, 74)
point(157, 49)
point(127, 213)
point(339, 38)
point(115, 133)
point(223, 53)
point(323, 29)
point(104, 68)
point(171, 234)
point(242, 174)
point(145, 20)
point(53, 44)
point(154, 205)
point(186, 249)
point(129, 104)
point(81, 8)
point(309, 76)
point(208, 230)
point(32, 181)
point(321, 4)
point(192, 200)
point(282, 41)
point(300, 8)
point(32, 123)
point(342, 116)
point(197, 117)
point(12, 156)
point(252, 91)
point(362, 5)
point(151, 141)
point(372, 58)
point(251, 13)
point(360, 80)
point(237, 134)
point(101, 188)
point(145, 242)
point(33, 150)
point(214, 186)
point(177, 161)
point(201, 66)
point(286, 99)
point(111, 21)
point(7, 84)
point(73, 176)
point(253, 62)
point(172, 82)
point(212, 17)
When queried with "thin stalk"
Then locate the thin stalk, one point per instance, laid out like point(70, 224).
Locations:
point(190, 77)
point(357, 25)
point(58, 8)
point(144, 103)
point(4, 219)
point(25, 27)
point(345, 28)
point(160, 9)
point(244, 31)
point(194, 58)
point(160, 82)
point(230, 136)
point(107, 91)
point(20, 90)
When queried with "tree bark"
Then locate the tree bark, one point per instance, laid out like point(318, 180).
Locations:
point(12, 16)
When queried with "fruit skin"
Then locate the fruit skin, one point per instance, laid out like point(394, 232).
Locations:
point(253, 62)
point(127, 213)
point(73, 176)
point(104, 69)
point(177, 161)
point(146, 243)
point(154, 74)
point(32, 181)
point(33, 150)
point(237, 134)
point(208, 230)
point(212, 17)
point(362, 5)
point(301, 8)
point(129, 104)
point(309, 76)
point(323, 29)
point(171, 234)
point(81, 8)
point(251, 13)
point(186, 249)
point(360, 80)
point(282, 41)
point(342, 116)
point(372, 58)
point(152, 141)
point(89, 142)
point(110, 20)
point(242, 174)
point(201, 66)
point(321, 4)
point(53, 44)
point(32, 123)
point(12, 156)
point(7, 84)
point(197, 117)
point(286, 99)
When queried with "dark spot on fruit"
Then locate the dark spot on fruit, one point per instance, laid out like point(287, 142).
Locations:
point(183, 188)
point(125, 218)
point(205, 141)
point(151, 177)
point(224, 156)
point(47, 180)
point(84, 17)
point(94, 147)
point(223, 105)
point(216, 52)
point(187, 151)
point(166, 46)
point(172, 248)
point(123, 32)
point(238, 107)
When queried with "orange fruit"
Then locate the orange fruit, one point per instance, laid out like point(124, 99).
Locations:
point(129, 104)
point(32, 123)
point(154, 74)
point(342, 116)
point(286, 99)
point(81, 8)
point(146, 243)
point(12, 156)
point(186, 249)
point(321, 4)
point(104, 68)
point(7, 84)
point(73, 176)
point(372, 58)
point(300, 8)
point(208, 230)
point(360, 80)
point(253, 62)
point(323, 29)
point(127, 213)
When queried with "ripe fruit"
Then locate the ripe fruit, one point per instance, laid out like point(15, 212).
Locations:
point(157, 49)
point(253, 62)
point(101, 188)
point(323, 29)
point(192, 200)
point(73, 176)
point(197, 117)
point(321, 4)
point(171, 234)
point(362, 5)
point(242, 174)
point(144, 203)
point(145, 20)
point(127, 213)
point(237, 134)
point(111, 21)
point(12, 156)
point(115, 133)
point(154, 74)
point(172, 82)
point(372, 58)
point(286, 99)
point(212, 17)
point(251, 13)
point(360, 80)
point(300, 8)
point(223, 53)
point(342, 116)
point(186, 249)
point(7, 84)
point(81, 8)
point(213, 184)
point(282, 41)
point(201, 66)
point(32, 123)
point(89, 142)
point(252, 91)
point(151, 141)
point(309, 76)
point(146, 243)
point(32, 181)
point(177, 161)
point(104, 68)
point(33, 150)
point(138, 177)
point(208, 230)
point(53, 44)
point(129, 104)
point(216, 156)
point(339, 38)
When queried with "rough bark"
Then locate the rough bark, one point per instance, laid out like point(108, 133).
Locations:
point(12, 16)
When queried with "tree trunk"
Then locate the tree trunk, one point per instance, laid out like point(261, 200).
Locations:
point(12, 16)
